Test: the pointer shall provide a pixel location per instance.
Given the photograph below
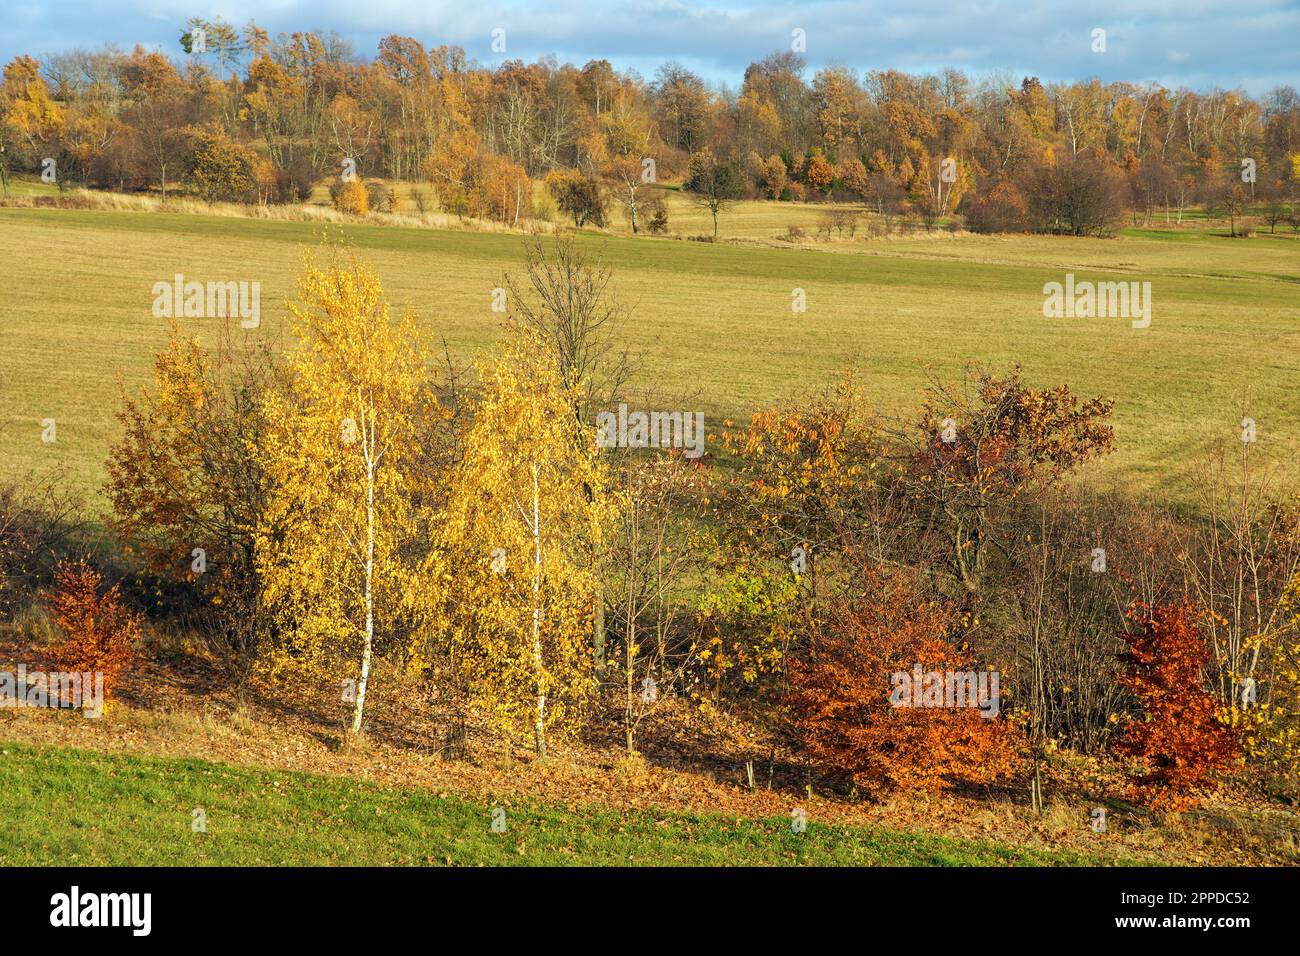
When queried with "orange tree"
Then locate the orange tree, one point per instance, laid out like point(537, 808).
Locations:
point(101, 632)
point(1179, 739)
point(839, 696)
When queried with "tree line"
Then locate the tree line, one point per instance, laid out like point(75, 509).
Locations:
point(259, 119)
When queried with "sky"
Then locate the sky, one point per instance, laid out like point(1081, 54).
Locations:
point(1233, 44)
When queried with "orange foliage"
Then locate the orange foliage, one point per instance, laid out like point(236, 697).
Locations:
point(840, 698)
point(819, 172)
point(1179, 740)
point(1012, 433)
point(101, 633)
point(351, 198)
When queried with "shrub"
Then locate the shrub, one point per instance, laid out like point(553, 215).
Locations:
point(658, 220)
point(543, 207)
point(351, 198)
point(377, 195)
point(101, 633)
point(743, 622)
point(223, 170)
point(35, 520)
point(1271, 726)
point(1080, 196)
point(293, 181)
point(840, 694)
point(1001, 209)
point(1179, 739)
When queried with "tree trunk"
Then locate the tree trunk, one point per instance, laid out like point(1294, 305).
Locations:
point(598, 635)
point(629, 641)
point(539, 723)
point(370, 600)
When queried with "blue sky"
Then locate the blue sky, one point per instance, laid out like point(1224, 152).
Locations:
point(1250, 44)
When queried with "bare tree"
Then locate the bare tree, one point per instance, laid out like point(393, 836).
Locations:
point(651, 560)
point(566, 299)
point(1237, 565)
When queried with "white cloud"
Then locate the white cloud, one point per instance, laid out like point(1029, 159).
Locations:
point(1246, 43)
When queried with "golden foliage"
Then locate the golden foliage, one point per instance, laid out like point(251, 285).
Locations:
point(344, 456)
point(531, 485)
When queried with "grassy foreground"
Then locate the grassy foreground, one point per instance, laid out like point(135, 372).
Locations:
point(77, 807)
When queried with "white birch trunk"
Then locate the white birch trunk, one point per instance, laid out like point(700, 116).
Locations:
point(370, 577)
point(539, 724)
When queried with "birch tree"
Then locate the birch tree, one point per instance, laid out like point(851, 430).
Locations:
point(525, 511)
point(344, 449)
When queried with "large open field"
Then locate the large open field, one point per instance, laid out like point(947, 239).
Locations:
point(712, 324)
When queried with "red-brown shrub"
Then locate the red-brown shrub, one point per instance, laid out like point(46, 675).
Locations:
point(1179, 739)
point(840, 698)
point(101, 633)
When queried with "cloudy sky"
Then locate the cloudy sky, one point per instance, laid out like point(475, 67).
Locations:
point(1250, 44)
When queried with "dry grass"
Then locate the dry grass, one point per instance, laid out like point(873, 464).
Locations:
point(185, 205)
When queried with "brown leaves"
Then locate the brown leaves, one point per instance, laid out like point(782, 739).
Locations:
point(1179, 739)
point(101, 633)
point(840, 697)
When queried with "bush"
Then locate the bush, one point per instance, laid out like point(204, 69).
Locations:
point(101, 633)
point(377, 195)
point(293, 183)
point(840, 697)
point(34, 526)
point(658, 218)
point(222, 170)
point(1179, 739)
point(351, 197)
point(1001, 209)
point(1082, 196)
point(743, 621)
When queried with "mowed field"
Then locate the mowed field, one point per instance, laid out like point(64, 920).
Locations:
point(711, 324)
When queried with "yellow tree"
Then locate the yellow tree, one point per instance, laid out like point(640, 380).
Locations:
point(186, 485)
point(30, 118)
point(346, 456)
point(526, 509)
